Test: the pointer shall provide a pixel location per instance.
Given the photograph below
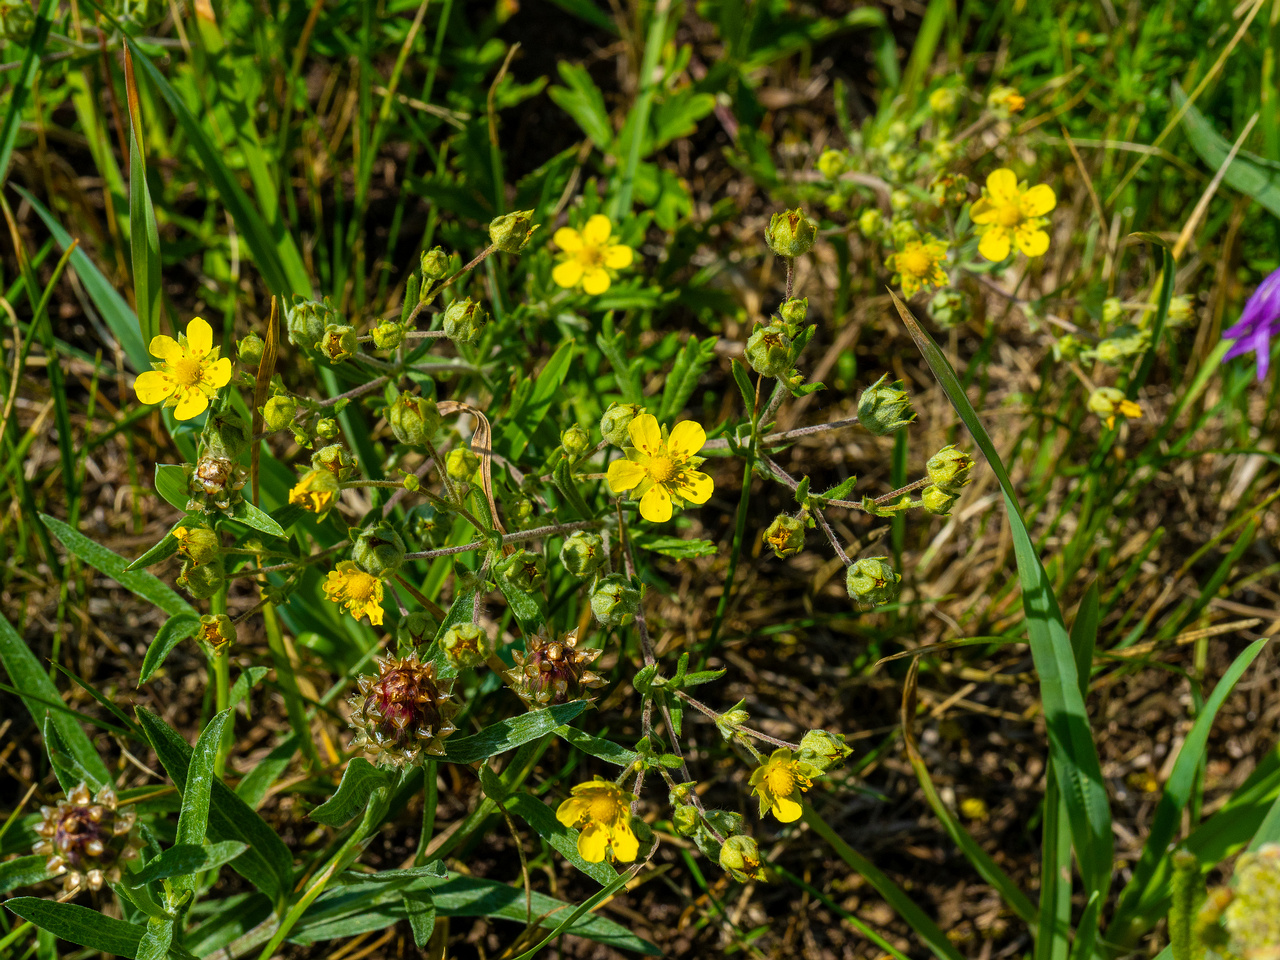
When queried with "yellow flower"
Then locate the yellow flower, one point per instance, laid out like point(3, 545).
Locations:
point(1008, 210)
point(589, 255)
point(919, 264)
point(360, 593)
point(603, 811)
point(316, 491)
point(660, 470)
point(1006, 100)
point(779, 783)
point(189, 373)
point(1108, 402)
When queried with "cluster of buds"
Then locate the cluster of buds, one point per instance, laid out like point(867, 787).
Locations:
point(404, 713)
point(86, 839)
point(948, 471)
point(215, 484)
point(553, 670)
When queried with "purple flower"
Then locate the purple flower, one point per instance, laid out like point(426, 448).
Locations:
point(1260, 319)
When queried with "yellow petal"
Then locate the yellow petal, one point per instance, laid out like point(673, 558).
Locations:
point(572, 811)
point(154, 386)
point(995, 244)
point(1130, 409)
point(694, 486)
point(218, 373)
point(199, 336)
point(686, 439)
point(166, 348)
point(1038, 201)
point(593, 842)
point(191, 403)
point(596, 232)
point(618, 257)
point(595, 281)
point(786, 809)
point(623, 475)
point(645, 435)
point(655, 506)
point(568, 239)
point(567, 273)
point(374, 612)
point(1002, 186)
point(983, 211)
point(625, 844)
point(1032, 242)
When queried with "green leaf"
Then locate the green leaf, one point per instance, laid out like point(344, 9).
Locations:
point(67, 768)
point(840, 491)
point(459, 612)
point(1084, 637)
point(144, 242)
point(249, 678)
point(420, 908)
point(33, 684)
point(745, 387)
point(248, 514)
point(690, 364)
point(1243, 174)
point(173, 484)
point(1053, 924)
point(359, 781)
point(22, 85)
point(193, 818)
point(161, 552)
point(582, 100)
point(259, 780)
point(185, 858)
point(172, 632)
point(675, 546)
point(610, 344)
point(507, 734)
point(81, 925)
point(568, 487)
point(604, 749)
point(138, 582)
point(157, 938)
point(678, 115)
point(23, 871)
point(563, 840)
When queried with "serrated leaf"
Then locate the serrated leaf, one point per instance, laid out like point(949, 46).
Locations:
point(172, 632)
point(186, 858)
point(359, 781)
point(582, 100)
point(509, 734)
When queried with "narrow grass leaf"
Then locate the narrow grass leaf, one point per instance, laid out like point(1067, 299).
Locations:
point(22, 85)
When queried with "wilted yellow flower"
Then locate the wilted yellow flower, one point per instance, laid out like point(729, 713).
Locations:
point(1006, 100)
point(316, 491)
point(603, 811)
point(589, 255)
point(919, 264)
point(189, 373)
point(360, 593)
point(1008, 211)
point(780, 781)
point(660, 470)
point(1108, 402)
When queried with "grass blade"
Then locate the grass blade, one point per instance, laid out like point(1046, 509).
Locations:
point(22, 86)
point(144, 237)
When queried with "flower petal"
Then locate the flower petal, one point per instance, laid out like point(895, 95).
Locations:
point(154, 386)
point(1002, 186)
point(618, 257)
point(694, 486)
point(593, 841)
point(595, 281)
point(218, 374)
point(191, 403)
point(573, 811)
point(786, 809)
point(645, 435)
point(1032, 242)
point(655, 506)
point(596, 232)
point(982, 211)
point(567, 239)
point(995, 244)
point(623, 475)
point(166, 348)
point(1038, 201)
point(567, 273)
point(199, 336)
point(687, 438)
point(625, 844)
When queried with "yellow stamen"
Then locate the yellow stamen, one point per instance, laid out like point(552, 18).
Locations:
point(661, 469)
point(1010, 215)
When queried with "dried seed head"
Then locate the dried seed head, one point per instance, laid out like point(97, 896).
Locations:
point(86, 838)
point(403, 713)
point(215, 484)
point(553, 670)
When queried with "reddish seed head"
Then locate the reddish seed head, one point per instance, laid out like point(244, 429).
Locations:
point(403, 712)
point(553, 671)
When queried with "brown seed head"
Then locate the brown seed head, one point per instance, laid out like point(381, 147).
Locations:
point(553, 670)
point(403, 712)
point(86, 838)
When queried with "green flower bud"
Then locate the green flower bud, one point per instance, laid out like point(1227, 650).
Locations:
point(198, 544)
point(824, 750)
point(785, 535)
point(900, 201)
point(949, 189)
point(948, 308)
point(769, 351)
point(278, 412)
point(903, 232)
point(335, 458)
point(950, 467)
point(466, 645)
point(1118, 349)
point(943, 100)
point(388, 335)
point(339, 342)
point(1180, 312)
point(461, 465)
point(614, 601)
point(684, 819)
point(226, 435)
point(1068, 348)
point(938, 499)
point(616, 420)
point(378, 550)
point(883, 408)
point(1111, 310)
point(519, 510)
point(870, 221)
point(730, 722)
point(327, 429)
point(415, 630)
point(510, 232)
point(523, 570)
point(794, 310)
point(832, 163)
point(583, 555)
point(306, 321)
point(435, 265)
point(872, 581)
point(740, 858)
point(203, 580)
point(791, 233)
point(249, 348)
point(414, 420)
point(575, 441)
point(463, 321)
point(217, 629)
point(1253, 917)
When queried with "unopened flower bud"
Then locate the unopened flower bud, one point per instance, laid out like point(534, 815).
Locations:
point(740, 858)
point(832, 163)
point(1111, 310)
point(872, 581)
point(616, 420)
point(278, 412)
point(226, 435)
point(511, 231)
point(903, 232)
point(938, 499)
point(614, 601)
point(388, 335)
point(794, 310)
point(769, 351)
point(785, 535)
point(316, 491)
point(335, 458)
point(306, 321)
point(414, 420)
point(950, 467)
point(466, 645)
point(249, 348)
point(791, 233)
point(730, 722)
point(202, 580)
point(215, 483)
point(435, 265)
point(684, 819)
point(217, 629)
point(942, 100)
point(884, 407)
point(870, 221)
point(583, 554)
point(947, 308)
point(575, 441)
point(900, 201)
point(463, 321)
point(415, 630)
point(824, 750)
point(378, 550)
point(198, 544)
point(461, 465)
point(339, 342)
point(523, 570)
point(327, 429)
point(1180, 313)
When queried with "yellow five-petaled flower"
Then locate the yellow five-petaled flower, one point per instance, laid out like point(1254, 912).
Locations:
point(779, 783)
point(589, 256)
point(1008, 211)
point(189, 373)
point(660, 470)
point(919, 264)
point(603, 811)
point(356, 590)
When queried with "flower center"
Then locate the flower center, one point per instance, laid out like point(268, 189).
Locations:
point(360, 586)
point(661, 469)
point(603, 809)
point(187, 372)
point(916, 262)
point(780, 780)
point(1010, 215)
point(591, 256)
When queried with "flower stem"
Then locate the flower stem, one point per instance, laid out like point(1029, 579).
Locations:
point(221, 667)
